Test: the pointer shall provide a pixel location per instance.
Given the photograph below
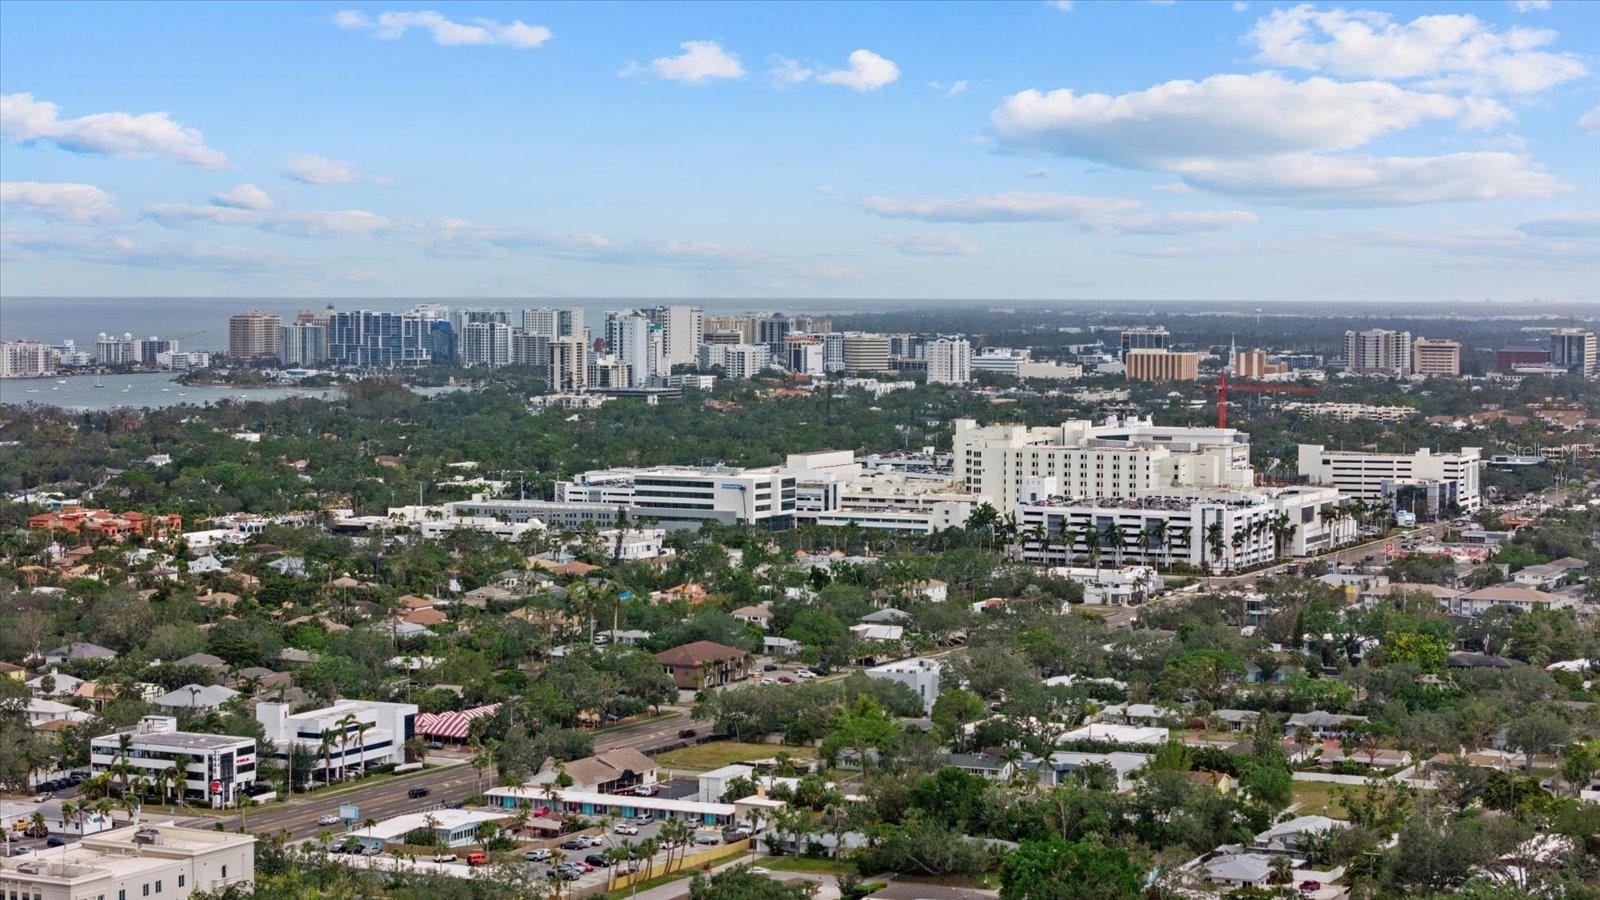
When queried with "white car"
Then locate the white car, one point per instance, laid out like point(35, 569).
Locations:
point(804, 674)
point(444, 857)
point(625, 828)
point(329, 819)
point(760, 870)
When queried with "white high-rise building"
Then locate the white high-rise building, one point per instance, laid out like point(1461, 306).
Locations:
point(1130, 457)
point(529, 349)
point(949, 361)
point(26, 359)
point(110, 350)
point(303, 344)
point(683, 330)
point(484, 344)
point(737, 361)
point(569, 365)
point(833, 351)
point(864, 352)
point(640, 345)
point(1378, 351)
point(803, 354)
point(1374, 476)
point(554, 323)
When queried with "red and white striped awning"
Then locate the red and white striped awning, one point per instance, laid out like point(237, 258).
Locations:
point(452, 725)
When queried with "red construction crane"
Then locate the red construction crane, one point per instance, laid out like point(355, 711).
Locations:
point(1252, 387)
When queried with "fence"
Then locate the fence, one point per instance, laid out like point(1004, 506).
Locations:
point(657, 867)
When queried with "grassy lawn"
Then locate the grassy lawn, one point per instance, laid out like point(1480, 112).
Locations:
point(806, 864)
point(1316, 798)
point(716, 754)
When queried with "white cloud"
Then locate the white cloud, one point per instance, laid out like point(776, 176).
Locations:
point(243, 196)
point(1240, 6)
point(1040, 172)
point(1010, 207)
point(120, 135)
point(1174, 223)
point(960, 87)
point(295, 223)
point(1451, 50)
point(1266, 136)
point(309, 168)
point(1309, 179)
point(867, 72)
point(1589, 122)
point(1523, 6)
point(1500, 245)
point(1063, 5)
point(931, 243)
point(786, 72)
point(63, 202)
point(1564, 225)
point(1174, 187)
point(124, 251)
point(477, 33)
point(701, 62)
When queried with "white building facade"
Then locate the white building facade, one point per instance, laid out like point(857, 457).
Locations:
point(1372, 476)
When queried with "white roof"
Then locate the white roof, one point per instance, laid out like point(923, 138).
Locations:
point(734, 770)
point(538, 794)
point(445, 819)
point(1121, 734)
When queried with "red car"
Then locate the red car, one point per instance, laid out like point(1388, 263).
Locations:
point(784, 679)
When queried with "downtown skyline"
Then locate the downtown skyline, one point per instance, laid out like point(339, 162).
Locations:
point(1243, 151)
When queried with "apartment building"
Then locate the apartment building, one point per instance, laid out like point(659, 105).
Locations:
point(1122, 457)
point(1161, 365)
point(484, 344)
point(133, 863)
point(1215, 530)
point(569, 365)
point(554, 323)
point(1255, 364)
point(1353, 412)
point(364, 733)
point(369, 339)
point(217, 768)
point(530, 349)
point(1435, 356)
point(254, 334)
point(1374, 476)
point(919, 674)
point(640, 344)
point(737, 361)
point(303, 344)
point(26, 359)
point(949, 361)
point(683, 330)
point(1378, 351)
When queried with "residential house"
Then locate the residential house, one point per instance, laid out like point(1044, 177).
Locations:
point(1508, 596)
point(701, 664)
point(930, 589)
point(42, 712)
point(1062, 765)
point(757, 616)
point(1551, 575)
point(203, 660)
point(196, 696)
point(13, 671)
point(1139, 714)
point(61, 684)
point(289, 566)
point(75, 651)
point(1292, 834)
point(1321, 724)
point(993, 768)
point(878, 633)
point(919, 674)
point(1237, 719)
point(610, 772)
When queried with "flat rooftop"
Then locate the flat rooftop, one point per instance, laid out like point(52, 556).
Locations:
point(184, 740)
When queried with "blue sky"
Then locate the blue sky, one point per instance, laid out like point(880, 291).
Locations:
point(1217, 150)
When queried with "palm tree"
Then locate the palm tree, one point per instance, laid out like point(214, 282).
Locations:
point(361, 743)
point(1159, 533)
point(345, 724)
point(325, 747)
point(69, 813)
point(1281, 870)
point(1237, 542)
point(1094, 535)
point(1214, 540)
point(180, 772)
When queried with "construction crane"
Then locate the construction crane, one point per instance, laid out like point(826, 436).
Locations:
point(1252, 387)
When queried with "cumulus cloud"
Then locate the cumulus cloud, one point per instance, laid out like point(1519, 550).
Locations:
point(478, 32)
point(62, 202)
point(1523, 6)
point(243, 196)
point(867, 71)
point(120, 135)
point(701, 62)
point(786, 72)
point(1564, 225)
point(1448, 50)
point(1008, 207)
point(1267, 136)
point(309, 168)
point(931, 243)
point(1589, 122)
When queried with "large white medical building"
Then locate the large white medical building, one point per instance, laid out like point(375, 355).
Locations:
point(1126, 457)
point(1375, 476)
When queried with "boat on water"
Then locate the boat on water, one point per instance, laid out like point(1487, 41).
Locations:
point(61, 381)
point(98, 385)
point(33, 390)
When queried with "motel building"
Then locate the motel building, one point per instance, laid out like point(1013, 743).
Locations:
point(594, 805)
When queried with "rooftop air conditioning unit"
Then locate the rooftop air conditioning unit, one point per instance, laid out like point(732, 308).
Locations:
point(147, 836)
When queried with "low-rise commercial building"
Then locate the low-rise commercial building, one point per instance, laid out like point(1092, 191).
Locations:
point(217, 768)
point(360, 733)
point(131, 864)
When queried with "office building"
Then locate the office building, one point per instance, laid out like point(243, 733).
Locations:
point(1378, 351)
point(484, 344)
point(569, 366)
point(1214, 530)
point(773, 331)
point(367, 733)
point(833, 352)
point(254, 334)
point(110, 350)
point(1255, 364)
point(1144, 338)
point(1160, 365)
point(218, 767)
point(1123, 457)
point(949, 361)
point(1372, 477)
point(1000, 360)
point(134, 863)
point(26, 359)
point(1574, 349)
point(863, 352)
point(803, 354)
point(303, 344)
point(736, 361)
point(671, 496)
point(554, 323)
point(368, 339)
point(743, 325)
point(1508, 358)
point(638, 343)
point(1434, 356)
point(683, 329)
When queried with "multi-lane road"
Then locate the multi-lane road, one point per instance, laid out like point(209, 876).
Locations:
point(445, 784)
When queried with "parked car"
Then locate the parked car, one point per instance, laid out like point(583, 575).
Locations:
point(574, 845)
point(453, 804)
point(436, 745)
point(805, 673)
point(645, 790)
point(625, 828)
point(595, 859)
point(55, 841)
point(329, 819)
point(707, 839)
point(42, 796)
point(687, 733)
point(417, 792)
point(770, 667)
point(784, 679)
point(569, 870)
point(760, 870)
point(371, 850)
point(21, 851)
point(537, 854)
point(444, 857)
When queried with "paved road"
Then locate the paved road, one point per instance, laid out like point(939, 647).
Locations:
point(381, 801)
